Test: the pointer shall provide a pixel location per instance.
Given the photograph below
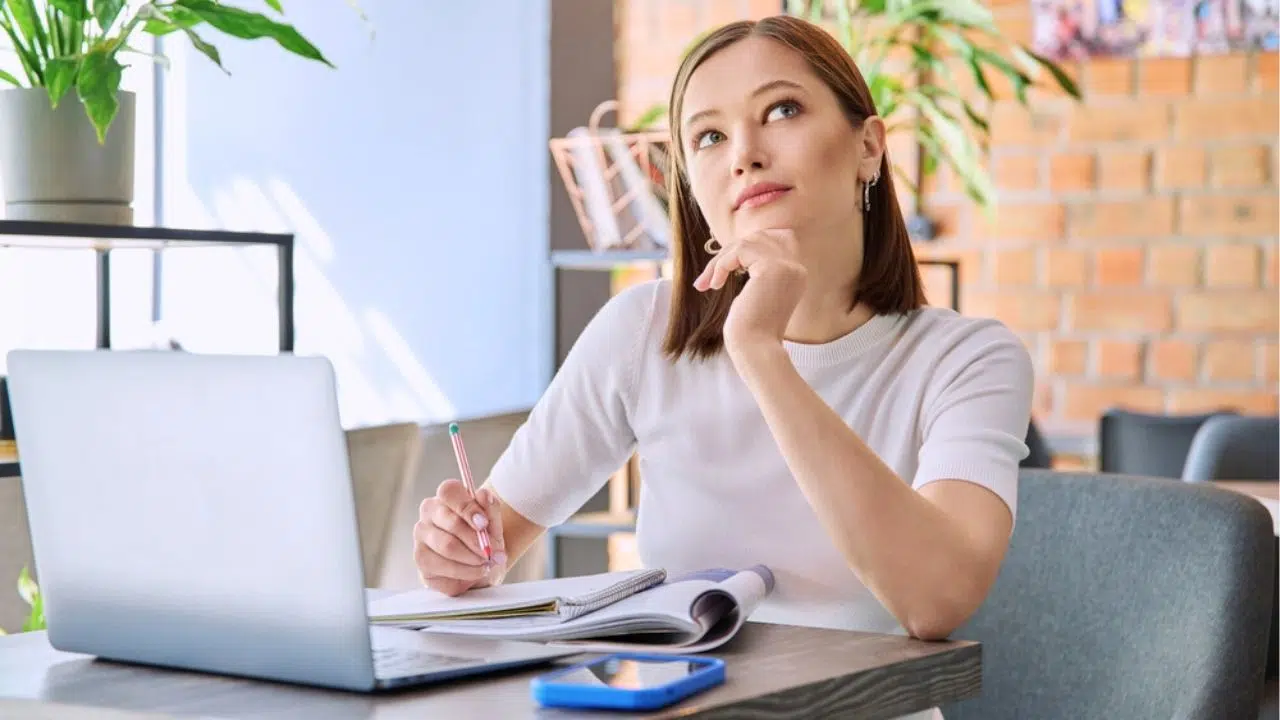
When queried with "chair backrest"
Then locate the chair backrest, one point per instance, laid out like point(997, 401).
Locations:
point(1126, 597)
point(384, 460)
point(1134, 443)
point(1235, 447)
point(1038, 453)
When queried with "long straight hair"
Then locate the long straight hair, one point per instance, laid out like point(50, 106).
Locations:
point(889, 279)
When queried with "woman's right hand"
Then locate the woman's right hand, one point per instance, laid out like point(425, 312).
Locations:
point(446, 546)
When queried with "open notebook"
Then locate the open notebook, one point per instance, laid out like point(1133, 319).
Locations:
point(633, 610)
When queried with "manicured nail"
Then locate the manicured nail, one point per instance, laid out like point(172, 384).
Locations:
point(480, 521)
point(500, 559)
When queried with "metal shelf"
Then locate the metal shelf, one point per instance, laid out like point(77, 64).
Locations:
point(606, 260)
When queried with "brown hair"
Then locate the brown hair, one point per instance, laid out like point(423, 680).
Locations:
point(889, 280)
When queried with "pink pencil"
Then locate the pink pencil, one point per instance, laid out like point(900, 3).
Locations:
point(460, 452)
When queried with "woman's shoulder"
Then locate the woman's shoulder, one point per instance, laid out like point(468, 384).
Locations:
point(639, 309)
point(951, 337)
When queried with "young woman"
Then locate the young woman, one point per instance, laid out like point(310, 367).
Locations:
point(792, 400)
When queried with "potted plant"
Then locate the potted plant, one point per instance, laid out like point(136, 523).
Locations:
point(66, 128)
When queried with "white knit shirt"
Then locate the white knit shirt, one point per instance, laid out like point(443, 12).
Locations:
point(936, 394)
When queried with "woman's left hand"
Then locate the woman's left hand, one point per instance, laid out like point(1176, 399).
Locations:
point(760, 313)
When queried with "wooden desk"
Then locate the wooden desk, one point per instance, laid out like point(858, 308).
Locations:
point(8, 459)
point(773, 671)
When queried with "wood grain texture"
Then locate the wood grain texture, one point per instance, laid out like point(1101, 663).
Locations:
point(773, 671)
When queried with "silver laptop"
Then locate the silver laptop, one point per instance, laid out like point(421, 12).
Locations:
point(196, 512)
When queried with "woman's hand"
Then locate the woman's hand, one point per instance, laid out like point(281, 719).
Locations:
point(762, 310)
point(446, 546)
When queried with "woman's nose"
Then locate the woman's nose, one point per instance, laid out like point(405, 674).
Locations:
point(748, 154)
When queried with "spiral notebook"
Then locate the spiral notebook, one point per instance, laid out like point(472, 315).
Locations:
point(635, 610)
point(563, 598)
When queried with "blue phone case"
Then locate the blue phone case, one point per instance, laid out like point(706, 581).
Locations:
point(549, 693)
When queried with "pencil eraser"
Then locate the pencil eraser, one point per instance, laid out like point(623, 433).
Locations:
point(453, 428)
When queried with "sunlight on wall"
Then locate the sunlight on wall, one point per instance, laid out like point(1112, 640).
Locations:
point(224, 299)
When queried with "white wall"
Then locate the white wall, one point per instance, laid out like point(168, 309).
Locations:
point(416, 177)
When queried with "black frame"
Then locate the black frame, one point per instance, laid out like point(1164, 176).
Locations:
point(157, 238)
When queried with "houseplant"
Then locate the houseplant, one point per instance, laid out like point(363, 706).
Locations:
point(909, 51)
point(66, 128)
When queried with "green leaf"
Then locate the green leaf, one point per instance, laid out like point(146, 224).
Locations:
point(162, 22)
point(252, 26)
point(107, 11)
point(76, 9)
point(98, 85)
point(9, 78)
point(1064, 81)
point(59, 75)
point(29, 60)
point(27, 588)
point(28, 22)
point(205, 48)
point(275, 5)
point(649, 117)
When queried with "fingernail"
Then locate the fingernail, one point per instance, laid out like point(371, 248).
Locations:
point(479, 520)
point(500, 558)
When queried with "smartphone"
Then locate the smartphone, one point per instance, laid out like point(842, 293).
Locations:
point(628, 681)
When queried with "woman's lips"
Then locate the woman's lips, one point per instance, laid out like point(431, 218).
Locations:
point(762, 199)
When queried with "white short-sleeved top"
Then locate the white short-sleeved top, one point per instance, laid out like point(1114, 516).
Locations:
point(936, 394)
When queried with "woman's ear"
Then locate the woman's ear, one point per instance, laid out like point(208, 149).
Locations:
point(873, 145)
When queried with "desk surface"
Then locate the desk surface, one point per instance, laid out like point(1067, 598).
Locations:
point(772, 671)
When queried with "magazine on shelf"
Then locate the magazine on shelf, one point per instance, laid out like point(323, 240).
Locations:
point(631, 610)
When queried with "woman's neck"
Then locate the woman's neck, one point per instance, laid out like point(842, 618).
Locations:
point(824, 314)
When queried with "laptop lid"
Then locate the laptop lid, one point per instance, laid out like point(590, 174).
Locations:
point(193, 511)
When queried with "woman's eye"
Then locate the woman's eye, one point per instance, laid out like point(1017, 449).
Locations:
point(707, 138)
point(783, 110)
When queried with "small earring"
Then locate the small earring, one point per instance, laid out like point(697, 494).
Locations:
point(866, 191)
point(707, 246)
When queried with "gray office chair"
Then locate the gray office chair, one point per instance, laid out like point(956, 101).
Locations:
point(1125, 597)
point(1235, 447)
point(1134, 443)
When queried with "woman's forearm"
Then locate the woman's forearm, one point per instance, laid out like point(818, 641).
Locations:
point(907, 550)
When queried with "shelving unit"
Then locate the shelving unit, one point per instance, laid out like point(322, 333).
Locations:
point(620, 517)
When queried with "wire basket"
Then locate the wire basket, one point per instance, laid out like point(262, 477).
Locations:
point(617, 183)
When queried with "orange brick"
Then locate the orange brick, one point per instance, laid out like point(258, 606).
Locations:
point(1145, 121)
point(1087, 401)
point(1014, 267)
point(1265, 72)
point(1066, 268)
point(1120, 312)
point(1072, 171)
point(1164, 76)
point(1119, 359)
point(1150, 217)
point(1172, 359)
point(1239, 166)
point(1170, 265)
point(1016, 172)
point(1118, 266)
point(1272, 265)
point(1068, 357)
point(1271, 362)
point(1180, 166)
point(1228, 360)
point(1230, 216)
point(1196, 119)
point(1228, 310)
point(1125, 170)
point(1109, 76)
point(1012, 124)
point(1025, 221)
point(1029, 311)
point(1232, 265)
point(1221, 74)
point(1015, 26)
point(1197, 400)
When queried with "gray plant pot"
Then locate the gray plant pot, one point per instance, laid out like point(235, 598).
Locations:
point(53, 168)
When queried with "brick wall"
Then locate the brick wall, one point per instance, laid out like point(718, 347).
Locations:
point(1135, 242)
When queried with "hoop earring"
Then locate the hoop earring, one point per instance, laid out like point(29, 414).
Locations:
point(707, 246)
point(866, 191)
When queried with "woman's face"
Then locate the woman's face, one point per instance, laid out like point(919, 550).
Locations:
point(768, 147)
